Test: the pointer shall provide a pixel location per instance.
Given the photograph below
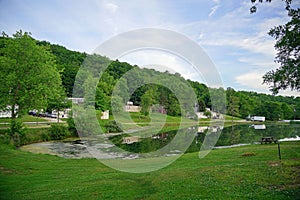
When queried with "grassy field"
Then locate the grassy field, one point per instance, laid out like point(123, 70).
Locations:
point(30, 122)
point(136, 117)
point(135, 120)
point(229, 118)
point(249, 172)
point(25, 118)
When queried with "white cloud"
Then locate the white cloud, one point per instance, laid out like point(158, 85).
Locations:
point(251, 79)
point(289, 93)
point(254, 81)
point(213, 10)
point(111, 7)
point(237, 29)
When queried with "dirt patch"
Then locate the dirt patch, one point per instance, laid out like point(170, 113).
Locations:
point(248, 154)
point(6, 171)
point(274, 163)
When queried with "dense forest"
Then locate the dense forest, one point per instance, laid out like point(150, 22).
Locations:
point(145, 93)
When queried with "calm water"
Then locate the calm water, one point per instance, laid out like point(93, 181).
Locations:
point(241, 134)
point(236, 135)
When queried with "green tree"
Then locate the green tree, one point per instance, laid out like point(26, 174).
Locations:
point(117, 104)
point(253, 9)
point(287, 111)
point(202, 93)
point(28, 77)
point(232, 103)
point(288, 55)
point(59, 102)
point(207, 114)
point(173, 107)
point(101, 100)
point(271, 110)
point(68, 63)
point(288, 52)
point(146, 101)
point(218, 99)
point(201, 105)
point(121, 90)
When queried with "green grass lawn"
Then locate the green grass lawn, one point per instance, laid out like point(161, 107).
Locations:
point(228, 117)
point(25, 118)
point(4, 122)
point(249, 172)
point(133, 119)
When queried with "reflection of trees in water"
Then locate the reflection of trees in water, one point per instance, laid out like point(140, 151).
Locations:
point(247, 134)
point(239, 134)
point(235, 136)
point(146, 144)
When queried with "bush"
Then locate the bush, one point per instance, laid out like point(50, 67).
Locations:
point(16, 133)
point(207, 114)
point(113, 127)
point(71, 127)
point(58, 132)
point(45, 137)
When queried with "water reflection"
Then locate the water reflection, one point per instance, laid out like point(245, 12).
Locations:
point(229, 136)
point(258, 126)
point(245, 134)
point(126, 146)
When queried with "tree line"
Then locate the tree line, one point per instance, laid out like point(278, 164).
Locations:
point(60, 67)
point(239, 103)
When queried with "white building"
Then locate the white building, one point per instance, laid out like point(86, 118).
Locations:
point(131, 108)
point(105, 115)
point(5, 114)
point(76, 100)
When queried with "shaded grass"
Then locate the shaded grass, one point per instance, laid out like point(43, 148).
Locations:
point(25, 118)
point(223, 174)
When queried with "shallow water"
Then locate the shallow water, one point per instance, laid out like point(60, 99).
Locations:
point(75, 149)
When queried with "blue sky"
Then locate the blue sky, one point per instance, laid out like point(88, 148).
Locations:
point(236, 41)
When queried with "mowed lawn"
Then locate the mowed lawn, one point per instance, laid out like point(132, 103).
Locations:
point(249, 172)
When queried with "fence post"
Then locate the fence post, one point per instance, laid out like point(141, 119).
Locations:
point(279, 154)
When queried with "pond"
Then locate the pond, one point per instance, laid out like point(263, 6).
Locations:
point(228, 137)
point(126, 146)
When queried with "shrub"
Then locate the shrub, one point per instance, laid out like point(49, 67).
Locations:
point(45, 137)
point(71, 127)
point(207, 114)
point(16, 133)
point(58, 132)
point(113, 127)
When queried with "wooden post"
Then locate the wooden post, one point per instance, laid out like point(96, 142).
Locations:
point(279, 154)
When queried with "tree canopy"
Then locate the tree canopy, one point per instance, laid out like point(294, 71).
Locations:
point(288, 55)
point(287, 44)
point(29, 76)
